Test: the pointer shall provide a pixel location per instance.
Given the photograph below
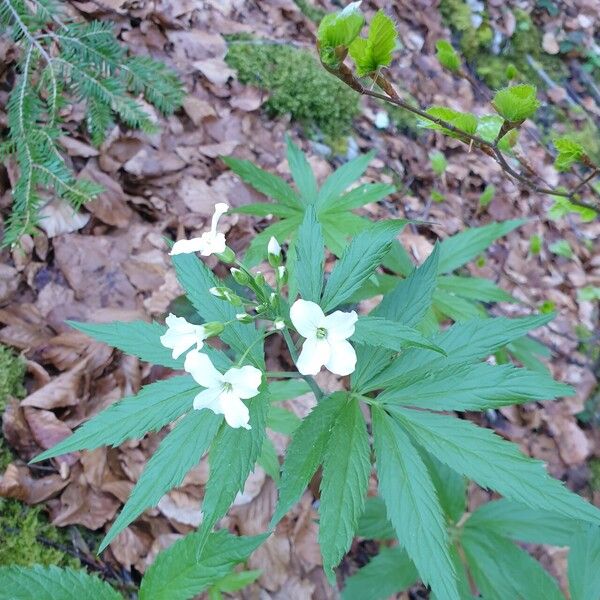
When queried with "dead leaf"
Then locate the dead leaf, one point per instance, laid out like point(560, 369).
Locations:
point(58, 217)
point(18, 483)
point(197, 109)
point(215, 70)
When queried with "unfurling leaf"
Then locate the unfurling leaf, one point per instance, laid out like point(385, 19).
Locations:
point(466, 122)
point(337, 31)
point(376, 51)
point(447, 56)
point(516, 103)
point(569, 152)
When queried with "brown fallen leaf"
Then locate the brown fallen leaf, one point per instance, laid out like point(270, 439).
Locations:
point(47, 429)
point(18, 483)
point(215, 70)
point(198, 110)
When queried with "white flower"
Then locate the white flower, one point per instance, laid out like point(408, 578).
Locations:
point(273, 247)
point(210, 242)
point(224, 391)
point(182, 335)
point(326, 339)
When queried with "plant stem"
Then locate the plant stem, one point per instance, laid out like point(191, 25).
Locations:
point(283, 375)
point(314, 386)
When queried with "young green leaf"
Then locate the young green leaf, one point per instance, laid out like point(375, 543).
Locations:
point(516, 103)
point(569, 152)
point(359, 260)
point(561, 248)
point(357, 197)
point(152, 408)
point(235, 581)
point(287, 389)
point(51, 583)
point(412, 504)
point(473, 288)
point(338, 30)
point(188, 567)
point(584, 565)
point(301, 173)
point(375, 52)
point(282, 420)
point(447, 56)
point(563, 207)
point(488, 195)
point(374, 523)
point(385, 574)
point(346, 470)
point(177, 454)
point(438, 162)
point(492, 462)
point(466, 122)
point(305, 453)
point(501, 570)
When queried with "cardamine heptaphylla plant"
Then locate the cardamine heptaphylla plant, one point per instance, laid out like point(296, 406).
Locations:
point(62, 62)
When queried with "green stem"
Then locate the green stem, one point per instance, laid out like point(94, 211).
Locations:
point(259, 339)
point(282, 375)
point(314, 386)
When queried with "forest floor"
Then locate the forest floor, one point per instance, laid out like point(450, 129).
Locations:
point(110, 263)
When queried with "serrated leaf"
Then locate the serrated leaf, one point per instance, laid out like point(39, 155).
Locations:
point(181, 449)
point(282, 420)
point(266, 183)
point(360, 259)
point(375, 52)
point(501, 570)
point(447, 56)
point(346, 470)
point(339, 30)
point(269, 460)
point(412, 505)
point(306, 267)
point(51, 583)
point(188, 567)
point(341, 179)
point(357, 197)
point(305, 453)
point(474, 387)
point(466, 122)
point(374, 523)
point(237, 581)
point(152, 408)
point(301, 173)
point(264, 209)
point(584, 565)
point(463, 247)
point(474, 288)
point(516, 103)
point(488, 128)
point(493, 463)
point(519, 522)
point(377, 331)
point(456, 307)
point(138, 338)
point(563, 207)
point(389, 572)
point(232, 457)
point(287, 389)
point(569, 152)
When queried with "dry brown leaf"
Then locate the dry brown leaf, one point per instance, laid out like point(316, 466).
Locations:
point(18, 483)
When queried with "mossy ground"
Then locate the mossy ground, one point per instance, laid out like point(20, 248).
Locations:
point(297, 84)
point(314, 13)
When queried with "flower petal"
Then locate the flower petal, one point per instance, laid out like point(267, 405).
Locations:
point(220, 209)
point(315, 353)
point(213, 243)
point(199, 366)
point(178, 342)
point(188, 246)
point(307, 317)
point(245, 381)
point(342, 359)
point(340, 325)
point(235, 411)
point(208, 398)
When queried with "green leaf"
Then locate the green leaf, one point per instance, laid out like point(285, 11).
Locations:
point(456, 307)
point(305, 452)
point(181, 449)
point(338, 30)
point(487, 195)
point(447, 56)
point(51, 583)
point(474, 387)
point(301, 173)
point(232, 457)
point(346, 470)
point(398, 260)
point(412, 504)
point(463, 247)
point(519, 522)
point(376, 331)
point(493, 463)
point(474, 288)
point(375, 52)
point(269, 460)
point(152, 408)
point(281, 230)
point(569, 152)
point(562, 248)
point(389, 572)
point(263, 181)
point(357, 197)
point(196, 279)
point(563, 207)
point(501, 570)
point(374, 523)
point(438, 162)
point(287, 389)
point(488, 128)
point(187, 567)
point(282, 420)
point(584, 565)
point(516, 103)
point(138, 338)
point(236, 581)
point(264, 209)
point(360, 259)
point(466, 122)
point(341, 179)
point(309, 257)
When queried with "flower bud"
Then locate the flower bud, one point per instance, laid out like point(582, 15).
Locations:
point(259, 279)
point(274, 252)
point(279, 324)
point(282, 274)
point(227, 256)
point(244, 318)
point(224, 293)
point(261, 308)
point(213, 328)
point(240, 276)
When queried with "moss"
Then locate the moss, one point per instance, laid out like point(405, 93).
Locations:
point(314, 13)
point(12, 372)
point(297, 84)
point(594, 465)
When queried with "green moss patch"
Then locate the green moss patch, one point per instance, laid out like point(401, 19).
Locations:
point(12, 372)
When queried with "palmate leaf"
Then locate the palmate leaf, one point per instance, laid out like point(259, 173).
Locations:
point(385, 574)
point(477, 386)
point(584, 565)
point(189, 567)
point(181, 449)
point(302, 173)
point(502, 570)
point(346, 470)
point(153, 407)
point(492, 462)
point(357, 197)
point(473, 288)
point(51, 583)
point(412, 504)
point(374, 523)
